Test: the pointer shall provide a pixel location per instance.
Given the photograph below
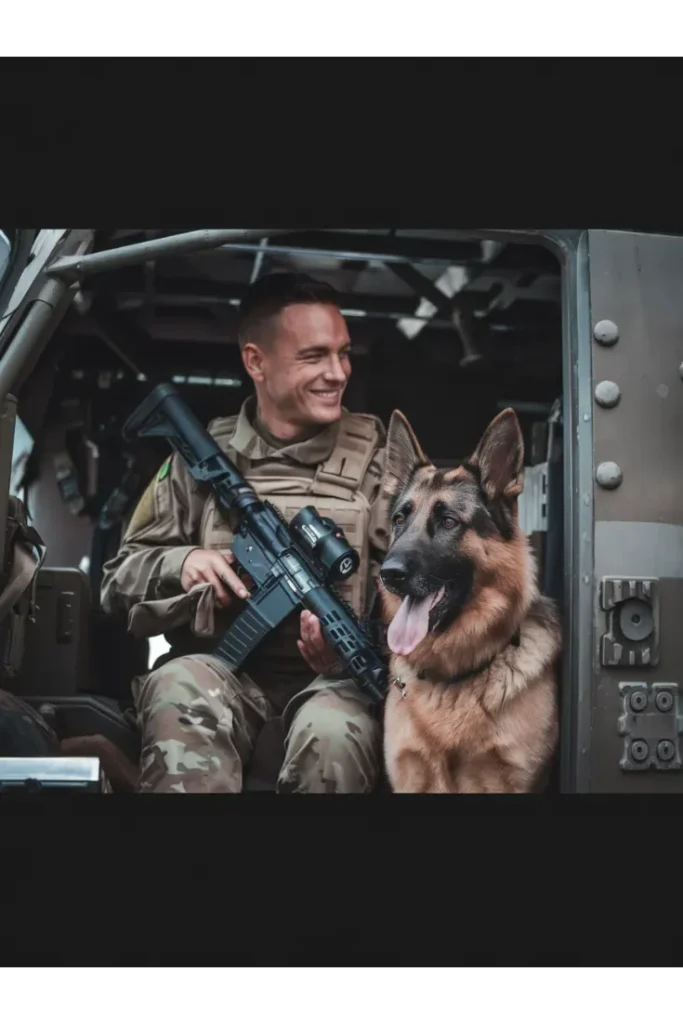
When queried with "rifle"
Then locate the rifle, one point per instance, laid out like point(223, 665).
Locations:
point(292, 565)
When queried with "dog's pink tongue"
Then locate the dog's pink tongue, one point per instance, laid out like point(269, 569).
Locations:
point(410, 623)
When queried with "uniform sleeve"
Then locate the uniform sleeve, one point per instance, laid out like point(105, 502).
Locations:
point(162, 532)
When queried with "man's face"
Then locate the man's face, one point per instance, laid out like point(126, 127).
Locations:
point(304, 370)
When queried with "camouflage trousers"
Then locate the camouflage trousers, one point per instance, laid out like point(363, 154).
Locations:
point(199, 723)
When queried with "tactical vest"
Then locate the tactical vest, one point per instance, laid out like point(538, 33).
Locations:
point(333, 487)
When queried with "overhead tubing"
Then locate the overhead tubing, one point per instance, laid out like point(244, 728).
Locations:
point(74, 267)
point(24, 347)
point(332, 254)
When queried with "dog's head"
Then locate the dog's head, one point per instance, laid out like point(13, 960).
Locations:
point(452, 530)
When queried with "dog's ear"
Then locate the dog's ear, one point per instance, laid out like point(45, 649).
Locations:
point(500, 457)
point(403, 452)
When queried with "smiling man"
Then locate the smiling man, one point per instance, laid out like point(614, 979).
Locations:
point(297, 446)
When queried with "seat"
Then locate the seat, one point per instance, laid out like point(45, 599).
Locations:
point(57, 674)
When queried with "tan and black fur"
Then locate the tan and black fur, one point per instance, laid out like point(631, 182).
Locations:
point(473, 707)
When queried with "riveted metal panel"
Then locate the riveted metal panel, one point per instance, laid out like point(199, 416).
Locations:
point(636, 283)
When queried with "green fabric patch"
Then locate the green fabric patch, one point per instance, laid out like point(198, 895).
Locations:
point(164, 471)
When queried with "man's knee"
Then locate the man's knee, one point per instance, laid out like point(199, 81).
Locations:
point(333, 745)
point(194, 738)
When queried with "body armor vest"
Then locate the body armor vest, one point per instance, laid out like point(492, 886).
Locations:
point(334, 489)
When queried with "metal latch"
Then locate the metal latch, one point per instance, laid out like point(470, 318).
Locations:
point(632, 612)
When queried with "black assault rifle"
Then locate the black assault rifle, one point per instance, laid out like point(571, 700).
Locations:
point(292, 565)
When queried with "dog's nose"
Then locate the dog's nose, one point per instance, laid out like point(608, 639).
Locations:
point(393, 573)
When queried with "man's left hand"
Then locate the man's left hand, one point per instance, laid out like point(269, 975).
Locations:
point(313, 646)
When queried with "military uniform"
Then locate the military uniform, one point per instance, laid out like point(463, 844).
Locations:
point(199, 721)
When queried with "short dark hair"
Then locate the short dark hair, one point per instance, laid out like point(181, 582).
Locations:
point(271, 294)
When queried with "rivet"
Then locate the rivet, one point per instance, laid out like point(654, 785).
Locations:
point(638, 701)
point(607, 394)
point(665, 750)
point(609, 475)
point(639, 750)
point(664, 701)
point(606, 333)
point(680, 371)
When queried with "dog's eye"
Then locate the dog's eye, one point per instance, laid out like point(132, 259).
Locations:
point(448, 522)
point(399, 519)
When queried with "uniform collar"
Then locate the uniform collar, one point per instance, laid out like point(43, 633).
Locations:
point(249, 443)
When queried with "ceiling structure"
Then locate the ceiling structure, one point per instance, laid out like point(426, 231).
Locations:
point(478, 299)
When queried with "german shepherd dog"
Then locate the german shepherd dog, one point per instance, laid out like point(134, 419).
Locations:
point(472, 706)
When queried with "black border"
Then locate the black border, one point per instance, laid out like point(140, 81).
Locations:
point(347, 142)
point(256, 879)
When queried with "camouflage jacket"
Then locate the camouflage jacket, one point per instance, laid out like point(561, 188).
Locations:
point(339, 471)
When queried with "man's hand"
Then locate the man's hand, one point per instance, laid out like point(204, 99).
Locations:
point(313, 646)
point(204, 565)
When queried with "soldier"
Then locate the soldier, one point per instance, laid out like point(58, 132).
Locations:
point(296, 445)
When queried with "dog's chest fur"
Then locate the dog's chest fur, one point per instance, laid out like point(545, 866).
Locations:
point(492, 732)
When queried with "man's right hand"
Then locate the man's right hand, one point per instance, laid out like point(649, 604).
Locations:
point(204, 565)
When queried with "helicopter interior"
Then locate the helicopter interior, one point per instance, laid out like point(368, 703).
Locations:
point(449, 329)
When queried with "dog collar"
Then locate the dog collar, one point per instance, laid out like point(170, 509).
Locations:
point(462, 676)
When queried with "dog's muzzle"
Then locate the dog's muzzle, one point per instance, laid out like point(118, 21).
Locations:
point(394, 575)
